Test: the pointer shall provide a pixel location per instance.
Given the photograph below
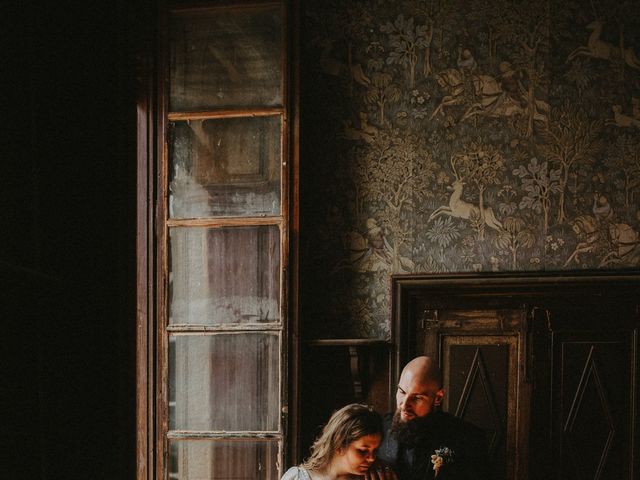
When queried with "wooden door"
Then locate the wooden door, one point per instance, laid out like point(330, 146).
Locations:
point(586, 392)
point(547, 364)
point(482, 358)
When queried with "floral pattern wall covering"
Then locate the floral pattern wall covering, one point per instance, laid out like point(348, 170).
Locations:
point(463, 136)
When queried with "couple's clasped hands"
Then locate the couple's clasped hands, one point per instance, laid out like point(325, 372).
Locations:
point(380, 472)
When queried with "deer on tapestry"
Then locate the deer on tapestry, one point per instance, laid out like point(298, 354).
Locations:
point(598, 48)
point(459, 208)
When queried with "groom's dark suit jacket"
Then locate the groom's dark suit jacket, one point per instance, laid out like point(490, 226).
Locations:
point(441, 429)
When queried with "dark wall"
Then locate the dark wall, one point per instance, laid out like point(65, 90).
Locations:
point(67, 260)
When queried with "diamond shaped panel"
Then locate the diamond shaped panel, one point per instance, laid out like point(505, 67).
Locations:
point(589, 429)
point(478, 389)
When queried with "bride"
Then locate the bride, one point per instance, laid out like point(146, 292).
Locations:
point(345, 449)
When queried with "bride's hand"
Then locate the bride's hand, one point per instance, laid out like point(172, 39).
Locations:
point(380, 472)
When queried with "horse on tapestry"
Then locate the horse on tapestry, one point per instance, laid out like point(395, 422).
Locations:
point(484, 96)
point(615, 242)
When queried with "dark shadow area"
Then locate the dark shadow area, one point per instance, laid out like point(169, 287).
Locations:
point(67, 262)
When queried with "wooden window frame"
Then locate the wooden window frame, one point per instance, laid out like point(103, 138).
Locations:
point(153, 223)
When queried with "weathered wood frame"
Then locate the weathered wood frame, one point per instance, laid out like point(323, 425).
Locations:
point(153, 223)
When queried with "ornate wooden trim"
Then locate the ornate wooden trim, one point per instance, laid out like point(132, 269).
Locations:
point(482, 288)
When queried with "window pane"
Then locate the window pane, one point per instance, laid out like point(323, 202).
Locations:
point(224, 382)
point(224, 275)
point(225, 167)
point(223, 459)
point(226, 58)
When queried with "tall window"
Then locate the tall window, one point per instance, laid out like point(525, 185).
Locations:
point(222, 250)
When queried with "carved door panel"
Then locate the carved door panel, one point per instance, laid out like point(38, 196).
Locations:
point(584, 423)
point(481, 353)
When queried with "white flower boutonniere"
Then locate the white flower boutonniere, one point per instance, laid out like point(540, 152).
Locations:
point(441, 457)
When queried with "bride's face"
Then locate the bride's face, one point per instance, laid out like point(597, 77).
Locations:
point(359, 455)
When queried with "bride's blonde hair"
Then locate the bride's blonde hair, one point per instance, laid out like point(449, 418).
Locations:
point(345, 426)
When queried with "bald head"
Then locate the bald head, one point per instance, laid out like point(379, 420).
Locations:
point(424, 370)
point(419, 389)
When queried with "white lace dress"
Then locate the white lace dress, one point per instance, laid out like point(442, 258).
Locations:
point(296, 473)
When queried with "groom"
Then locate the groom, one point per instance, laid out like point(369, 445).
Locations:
point(422, 442)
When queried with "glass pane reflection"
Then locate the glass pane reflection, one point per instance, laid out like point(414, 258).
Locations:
point(224, 382)
point(226, 58)
point(223, 459)
point(225, 167)
point(224, 275)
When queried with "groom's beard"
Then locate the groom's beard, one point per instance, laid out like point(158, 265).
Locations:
point(409, 432)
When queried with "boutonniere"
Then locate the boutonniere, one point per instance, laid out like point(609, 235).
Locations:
point(442, 456)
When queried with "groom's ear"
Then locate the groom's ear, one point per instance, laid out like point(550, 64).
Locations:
point(438, 398)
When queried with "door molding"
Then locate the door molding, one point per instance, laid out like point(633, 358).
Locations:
point(489, 289)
